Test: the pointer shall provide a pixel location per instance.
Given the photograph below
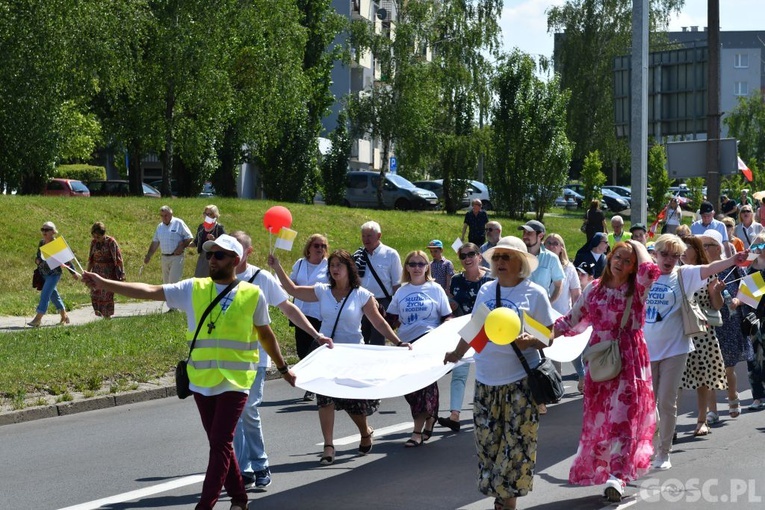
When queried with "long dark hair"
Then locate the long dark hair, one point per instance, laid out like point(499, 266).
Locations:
point(353, 274)
point(695, 243)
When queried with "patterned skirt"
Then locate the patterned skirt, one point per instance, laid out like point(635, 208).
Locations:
point(351, 406)
point(424, 401)
point(506, 426)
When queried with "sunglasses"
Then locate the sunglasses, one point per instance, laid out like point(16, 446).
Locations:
point(467, 255)
point(490, 229)
point(46, 230)
point(503, 256)
point(219, 255)
point(552, 243)
point(319, 246)
point(746, 212)
point(416, 264)
point(669, 255)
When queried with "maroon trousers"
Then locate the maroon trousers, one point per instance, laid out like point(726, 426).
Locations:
point(220, 414)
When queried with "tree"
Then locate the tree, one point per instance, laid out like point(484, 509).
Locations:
point(589, 34)
point(592, 177)
point(747, 124)
point(531, 150)
point(334, 166)
point(658, 179)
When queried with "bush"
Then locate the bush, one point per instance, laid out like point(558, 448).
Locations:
point(82, 173)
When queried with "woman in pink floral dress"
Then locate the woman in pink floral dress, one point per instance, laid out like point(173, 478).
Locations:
point(619, 414)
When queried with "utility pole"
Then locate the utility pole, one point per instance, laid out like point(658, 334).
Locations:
point(713, 103)
point(639, 111)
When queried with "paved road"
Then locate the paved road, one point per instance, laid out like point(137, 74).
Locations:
point(152, 455)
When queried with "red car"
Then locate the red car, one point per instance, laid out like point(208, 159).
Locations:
point(66, 188)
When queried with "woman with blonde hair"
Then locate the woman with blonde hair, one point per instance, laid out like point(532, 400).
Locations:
point(419, 306)
point(208, 230)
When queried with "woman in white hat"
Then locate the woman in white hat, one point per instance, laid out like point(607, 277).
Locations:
point(505, 414)
point(49, 292)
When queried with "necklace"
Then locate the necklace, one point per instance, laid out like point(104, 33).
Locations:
point(223, 305)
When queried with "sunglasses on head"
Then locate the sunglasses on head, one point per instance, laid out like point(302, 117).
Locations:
point(467, 255)
point(416, 264)
point(503, 256)
point(219, 255)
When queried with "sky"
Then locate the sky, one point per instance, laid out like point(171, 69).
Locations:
point(524, 22)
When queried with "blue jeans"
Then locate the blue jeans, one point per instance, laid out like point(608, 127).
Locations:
point(578, 366)
point(457, 392)
point(248, 439)
point(50, 293)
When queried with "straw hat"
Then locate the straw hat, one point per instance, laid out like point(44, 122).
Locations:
point(512, 243)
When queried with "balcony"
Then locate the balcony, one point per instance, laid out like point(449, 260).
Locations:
point(361, 9)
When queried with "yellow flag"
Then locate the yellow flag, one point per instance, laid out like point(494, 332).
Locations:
point(536, 329)
point(285, 238)
point(56, 252)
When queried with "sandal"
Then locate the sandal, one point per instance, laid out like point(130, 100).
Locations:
point(702, 429)
point(734, 407)
point(428, 432)
point(326, 460)
point(411, 443)
point(712, 418)
point(364, 449)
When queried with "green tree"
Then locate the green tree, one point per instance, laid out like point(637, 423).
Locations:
point(334, 166)
point(589, 34)
point(746, 122)
point(658, 179)
point(531, 152)
point(80, 134)
point(592, 176)
point(696, 191)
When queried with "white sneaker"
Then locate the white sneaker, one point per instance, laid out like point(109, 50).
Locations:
point(614, 489)
point(661, 462)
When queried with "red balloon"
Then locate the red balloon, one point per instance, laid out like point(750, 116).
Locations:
point(276, 218)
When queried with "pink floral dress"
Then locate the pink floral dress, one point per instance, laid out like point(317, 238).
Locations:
point(619, 415)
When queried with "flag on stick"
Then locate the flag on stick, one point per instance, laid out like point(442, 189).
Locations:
point(536, 329)
point(285, 238)
point(755, 284)
point(744, 169)
point(56, 253)
point(473, 332)
point(746, 296)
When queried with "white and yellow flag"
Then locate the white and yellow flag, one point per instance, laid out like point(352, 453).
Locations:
point(285, 239)
point(56, 253)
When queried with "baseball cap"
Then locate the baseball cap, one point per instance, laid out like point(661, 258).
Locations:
point(226, 242)
point(706, 207)
point(435, 243)
point(650, 246)
point(533, 226)
point(638, 226)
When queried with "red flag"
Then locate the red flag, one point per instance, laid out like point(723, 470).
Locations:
point(473, 331)
point(744, 170)
point(652, 228)
point(480, 340)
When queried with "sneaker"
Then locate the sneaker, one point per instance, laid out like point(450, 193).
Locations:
point(661, 462)
point(262, 479)
point(249, 482)
point(309, 397)
point(614, 489)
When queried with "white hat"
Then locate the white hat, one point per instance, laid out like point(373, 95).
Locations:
point(513, 243)
point(225, 242)
point(713, 235)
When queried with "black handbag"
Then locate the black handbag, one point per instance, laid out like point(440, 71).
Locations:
point(545, 382)
point(37, 280)
point(181, 369)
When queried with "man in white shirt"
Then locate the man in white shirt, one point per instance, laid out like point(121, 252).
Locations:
point(380, 271)
point(549, 272)
point(493, 235)
point(249, 446)
point(707, 222)
point(172, 236)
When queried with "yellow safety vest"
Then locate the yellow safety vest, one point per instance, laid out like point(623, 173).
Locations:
point(230, 351)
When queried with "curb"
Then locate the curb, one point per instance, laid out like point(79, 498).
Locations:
point(95, 403)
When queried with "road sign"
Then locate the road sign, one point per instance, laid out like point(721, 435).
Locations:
point(393, 164)
point(689, 158)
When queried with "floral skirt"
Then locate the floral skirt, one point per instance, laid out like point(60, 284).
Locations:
point(351, 406)
point(506, 425)
point(424, 401)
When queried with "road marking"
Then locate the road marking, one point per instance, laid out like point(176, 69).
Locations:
point(381, 432)
point(138, 494)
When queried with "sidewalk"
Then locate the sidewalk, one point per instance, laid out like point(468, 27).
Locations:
point(81, 315)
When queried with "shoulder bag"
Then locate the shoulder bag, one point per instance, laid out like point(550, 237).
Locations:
point(694, 320)
point(604, 359)
point(315, 344)
point(181, 372)
point(37, 279)
point(544, 381)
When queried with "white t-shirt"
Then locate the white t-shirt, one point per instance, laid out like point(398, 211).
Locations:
point(388, 267)
point(562, 305)
point(178, 295)
point(348, 329)
point(497, 365)
point(674, 216)
point(420, 308)
point(273, 293)
point(663, 328)
point(305, 273)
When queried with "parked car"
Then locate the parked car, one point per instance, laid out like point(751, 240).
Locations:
point(66, 188)
point(397, 192)
point(569, 198)
point(207, 188)
point(480, 191)
point(119, 188)
point(622, 191)
point(437, 187)
point(613, 201)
